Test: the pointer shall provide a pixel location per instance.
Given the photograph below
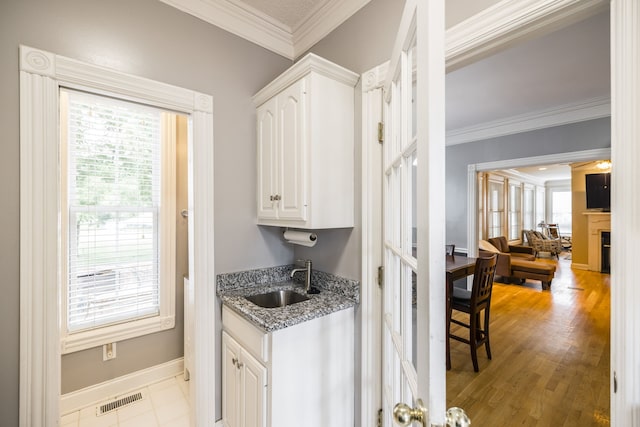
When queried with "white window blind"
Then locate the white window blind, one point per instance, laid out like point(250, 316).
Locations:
point(113, 209)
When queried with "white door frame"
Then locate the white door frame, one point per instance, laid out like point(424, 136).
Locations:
point(41, 75)
point(498, 27)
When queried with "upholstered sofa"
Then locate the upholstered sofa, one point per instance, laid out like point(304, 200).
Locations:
point(517, 262)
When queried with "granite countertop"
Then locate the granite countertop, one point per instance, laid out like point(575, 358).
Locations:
point(336, 294)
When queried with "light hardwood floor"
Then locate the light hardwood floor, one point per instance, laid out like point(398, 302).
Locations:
point(550, 354)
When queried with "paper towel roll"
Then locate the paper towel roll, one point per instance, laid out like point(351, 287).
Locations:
point(303, 238)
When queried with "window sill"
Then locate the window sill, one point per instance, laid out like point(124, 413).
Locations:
point(96, 337)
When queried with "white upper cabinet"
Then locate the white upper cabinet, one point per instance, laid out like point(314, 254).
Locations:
point(305, 135)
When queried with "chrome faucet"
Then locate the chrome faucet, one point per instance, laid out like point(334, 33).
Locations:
point(307, 268)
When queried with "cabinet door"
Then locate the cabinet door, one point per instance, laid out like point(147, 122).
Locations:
point(267, 163)
point(254, 392)
point(292, 152)
point(230, 382)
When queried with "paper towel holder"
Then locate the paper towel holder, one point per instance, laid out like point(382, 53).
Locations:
point(300, 237)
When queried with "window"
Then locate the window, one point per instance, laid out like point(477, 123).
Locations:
point(540, 205)
point(515, 210)
point(495, 207)
point(118, 169)
point(561, 210)
point(528, 205)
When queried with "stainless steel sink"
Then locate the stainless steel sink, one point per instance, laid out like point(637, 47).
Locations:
point(277, 299)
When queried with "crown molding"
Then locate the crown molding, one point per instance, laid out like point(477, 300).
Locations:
point(242, 20)
point(249, 23)
point(509, 21)
point(310, 62)
point(496, 27)
point(557, 116)
point(321, 21)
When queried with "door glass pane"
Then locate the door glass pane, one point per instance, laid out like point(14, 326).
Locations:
point(414, 312)
point(397, 202)
point(413, 167)
point(414, 111)
point(396, 104)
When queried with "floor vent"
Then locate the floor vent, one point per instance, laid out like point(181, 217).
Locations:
point(575, 289)
point(119, 403)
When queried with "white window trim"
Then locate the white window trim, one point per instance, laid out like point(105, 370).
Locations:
point(41, 75)
point(100, 335)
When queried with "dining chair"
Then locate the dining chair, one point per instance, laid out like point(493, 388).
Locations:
point(450, 249)
point(474, 303)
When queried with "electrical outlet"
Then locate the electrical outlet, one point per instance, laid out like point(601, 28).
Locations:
point(109, 351)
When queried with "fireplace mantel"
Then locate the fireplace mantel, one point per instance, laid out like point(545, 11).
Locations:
point(597, 223)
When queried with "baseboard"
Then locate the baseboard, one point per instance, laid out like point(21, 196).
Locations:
point(82, 398)
point(580, 266)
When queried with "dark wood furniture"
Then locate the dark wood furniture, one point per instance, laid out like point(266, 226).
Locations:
point(457, 267)
point(477, 304)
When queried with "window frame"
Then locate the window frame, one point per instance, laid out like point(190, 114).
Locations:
point(96, 336)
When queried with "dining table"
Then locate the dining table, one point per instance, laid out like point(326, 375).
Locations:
point(457, 267)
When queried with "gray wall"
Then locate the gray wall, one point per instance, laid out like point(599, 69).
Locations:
point(561, 139)
point(362, 42)
point(458, 10)
point(149, 39)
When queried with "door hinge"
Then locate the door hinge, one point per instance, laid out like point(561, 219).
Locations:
point(380, 278)
point(380, 417)
point(380, 132)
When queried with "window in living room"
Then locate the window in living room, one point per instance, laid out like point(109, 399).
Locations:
point(515, 210)
point(561, 210)
point(528, 207)
point(495, 206)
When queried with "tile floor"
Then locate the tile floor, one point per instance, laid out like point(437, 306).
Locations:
point(165, 404)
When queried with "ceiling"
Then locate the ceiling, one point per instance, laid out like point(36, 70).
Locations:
point(559, 78)
point(286, 27)
point(288, 12)
point(547, 172)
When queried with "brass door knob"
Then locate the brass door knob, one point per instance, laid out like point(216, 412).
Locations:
point(456, 417)
point(404, 415)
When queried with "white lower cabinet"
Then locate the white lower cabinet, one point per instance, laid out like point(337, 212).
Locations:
point(302, 375)
point(244, 380)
